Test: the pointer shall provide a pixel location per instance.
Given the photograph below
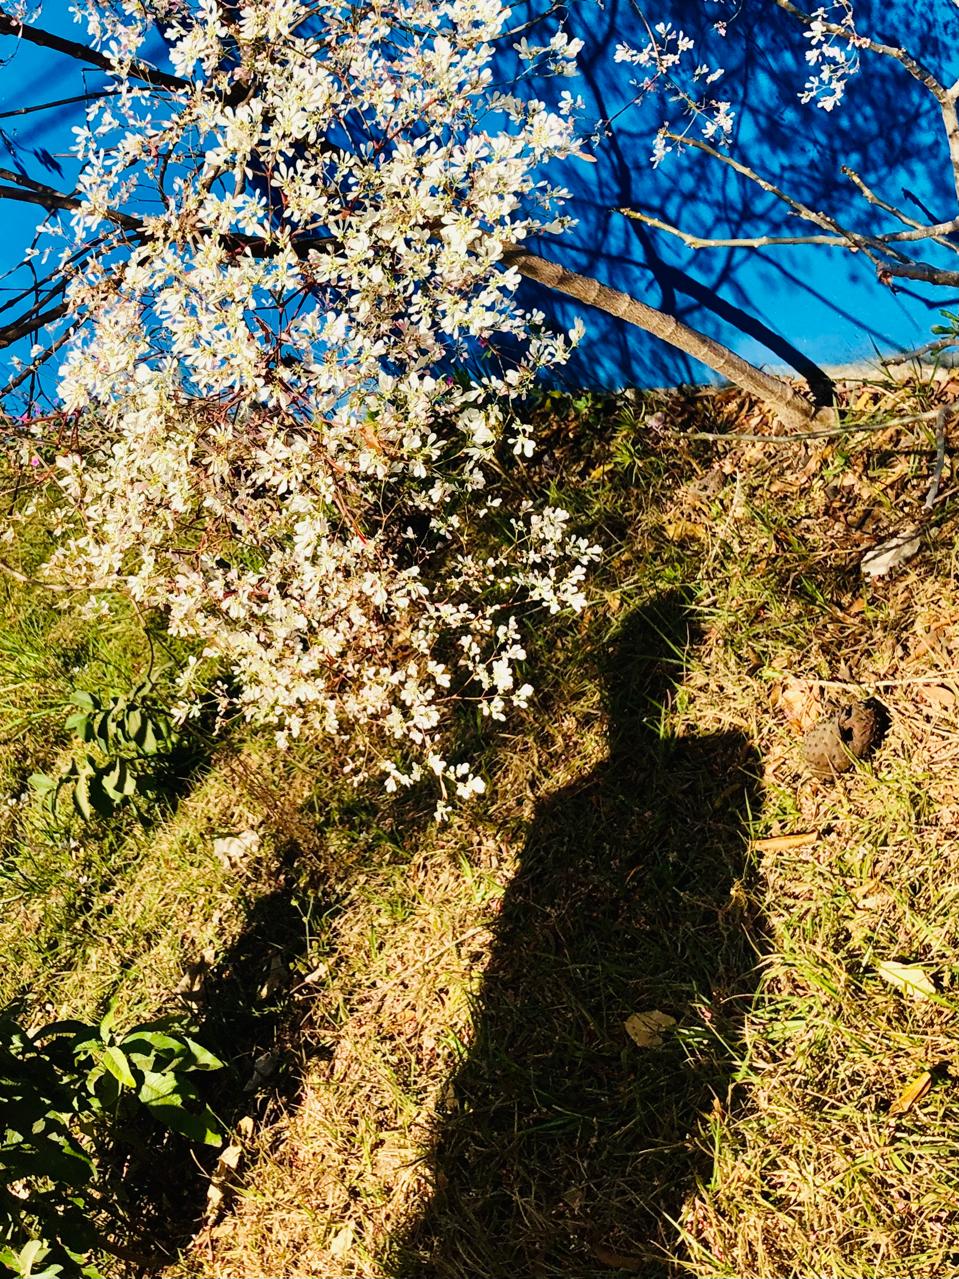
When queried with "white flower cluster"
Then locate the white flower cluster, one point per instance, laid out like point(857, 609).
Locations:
point(834, 56)
point(665, 55)
point(297, 375)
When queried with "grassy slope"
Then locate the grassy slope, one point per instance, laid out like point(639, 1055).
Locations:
point(451, 1089)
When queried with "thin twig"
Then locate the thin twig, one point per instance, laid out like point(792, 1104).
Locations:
point(60, 102)
point(939, 677)
point(802, 210)
point(39, 361)
point(799, 437)
point(940, 457)
point(846, 240)
point(930, 348)
point(733, 242)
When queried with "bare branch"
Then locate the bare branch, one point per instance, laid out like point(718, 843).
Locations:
point(946, 98)
point(930, 348)
point(30, 192)
point(83, 53)
point(823, 220)
point(11, 333)
point(846, 429)
point(937, 232)
point(950, 122)
point(736, 242)
point(60, 102)
point(871, 196)
point(924, 271)
point(41, 359)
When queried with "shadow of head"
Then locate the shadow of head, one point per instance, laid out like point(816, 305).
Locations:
point(565, 1140)
point(641, 667)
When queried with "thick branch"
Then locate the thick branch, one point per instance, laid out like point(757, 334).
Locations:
point(924, 271)
point(83, 53)
point(791, 409)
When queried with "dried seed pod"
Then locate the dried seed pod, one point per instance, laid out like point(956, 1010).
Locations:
point(834, 744)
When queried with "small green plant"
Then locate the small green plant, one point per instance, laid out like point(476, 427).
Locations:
point(948, 331)
point(133, 741)
point(68, 1091)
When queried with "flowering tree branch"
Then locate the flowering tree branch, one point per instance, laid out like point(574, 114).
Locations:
point(300, 361)
point(945, 96)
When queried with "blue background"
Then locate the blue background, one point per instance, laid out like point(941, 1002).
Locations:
point(780, 307)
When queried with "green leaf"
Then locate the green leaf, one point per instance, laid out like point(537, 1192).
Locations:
point(159, 1087)
point(99, 797)
point(202, 1058)
point(132, 724)
point(42, 783)
point(147, 740)
point(86, 700)
point(102, 729)
point(109, 1018)
point(78, 723)
point(154, 1040)
point(118, 1066)
point(48, 1158)
point(81, 797)
point(114, 781)
point(200, 1125)
point(30, 1254)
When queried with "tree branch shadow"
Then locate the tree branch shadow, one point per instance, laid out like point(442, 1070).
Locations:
point(564, 1147)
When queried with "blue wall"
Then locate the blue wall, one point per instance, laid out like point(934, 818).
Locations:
point(777, 307)
point(774, 305)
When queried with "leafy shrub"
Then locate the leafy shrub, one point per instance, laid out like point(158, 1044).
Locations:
point(68, 1091)
point(133, 740)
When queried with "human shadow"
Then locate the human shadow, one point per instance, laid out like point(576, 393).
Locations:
point(564, 1147)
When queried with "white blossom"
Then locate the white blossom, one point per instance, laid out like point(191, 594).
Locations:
point(275, 447)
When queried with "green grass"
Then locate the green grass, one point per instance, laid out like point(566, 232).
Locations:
point(453, 1088)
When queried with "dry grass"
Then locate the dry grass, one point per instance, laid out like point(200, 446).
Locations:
point(455, 1092)
point(470, 1102)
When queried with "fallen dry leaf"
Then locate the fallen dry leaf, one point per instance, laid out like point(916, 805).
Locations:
point(232, 851)
point(643, 1028)
point(341, 1243)
point(891, 553)
point(912, 979)
point(190, 985)
point(938, 696)
point(223, 1179)
point(275, 979)
point(799, 701)
point(263, 1068)
point(912, 1093)
point(679, 529)
point(782, 843)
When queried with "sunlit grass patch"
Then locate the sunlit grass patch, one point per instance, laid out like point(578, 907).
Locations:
point(451, 1086)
